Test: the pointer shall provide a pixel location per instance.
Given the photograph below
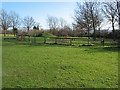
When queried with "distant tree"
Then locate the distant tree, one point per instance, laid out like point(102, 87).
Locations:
point(34, 27)
point(67, 30)
point(5, 22)
point(28, 22)
point(15, 31)
point(63, 27)
point(79, 30)
point(62, 23)
point(37, 27)
point(53, 24)
point(15, 21)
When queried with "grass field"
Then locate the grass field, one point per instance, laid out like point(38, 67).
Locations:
point(56, 66)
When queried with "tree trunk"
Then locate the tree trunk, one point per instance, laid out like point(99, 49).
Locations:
point(113, 31)
point(27, 29)
point(99, 33)
point(4, 32)
point(88, 36)
point(93, 24)
point(44, 40)
point(50, 30)
point(13, 31)
point(94, 37)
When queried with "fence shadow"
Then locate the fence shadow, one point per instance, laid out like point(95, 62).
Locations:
point(12, 42)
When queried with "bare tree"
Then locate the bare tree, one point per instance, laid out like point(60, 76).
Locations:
point(118, 11)
point(111, 13)
point(87, 17)
point(28, 22)
point(82, 18)
point(15, 21)
point(53, 23)
point(5, 22)
point(118, 7)
point(63, 27)
point(94, 15)
point(62, 23)
point(37, 26)
point(67, 30)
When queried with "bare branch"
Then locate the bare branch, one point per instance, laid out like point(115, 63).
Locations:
point(28, 22)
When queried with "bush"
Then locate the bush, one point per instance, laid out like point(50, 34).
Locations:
point(36, 33)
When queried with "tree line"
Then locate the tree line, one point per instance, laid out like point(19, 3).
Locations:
point(88, 16)
point(91, 15)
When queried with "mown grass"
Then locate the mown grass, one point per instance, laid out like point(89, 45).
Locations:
point(55, 66)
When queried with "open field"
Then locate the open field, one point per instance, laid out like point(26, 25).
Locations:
point(56, 66)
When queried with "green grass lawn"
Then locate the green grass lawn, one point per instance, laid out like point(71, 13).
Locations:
point(55, 66)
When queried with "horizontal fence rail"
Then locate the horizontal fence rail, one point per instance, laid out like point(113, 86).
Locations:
point(76, 41)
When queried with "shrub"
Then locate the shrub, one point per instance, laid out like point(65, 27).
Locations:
point(36, 33)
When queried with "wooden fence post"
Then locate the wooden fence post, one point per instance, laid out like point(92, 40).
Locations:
point(102, 42)
point(34, 39)
point(24, 37)
point(29, 38)
point(44, 40)
point(17, 37)
point(70, 41)
point(55, 40)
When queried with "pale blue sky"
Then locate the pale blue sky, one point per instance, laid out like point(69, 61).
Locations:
point(40, 10)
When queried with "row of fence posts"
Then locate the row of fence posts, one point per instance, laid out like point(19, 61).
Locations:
point(59, 38)
point(22, 37)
